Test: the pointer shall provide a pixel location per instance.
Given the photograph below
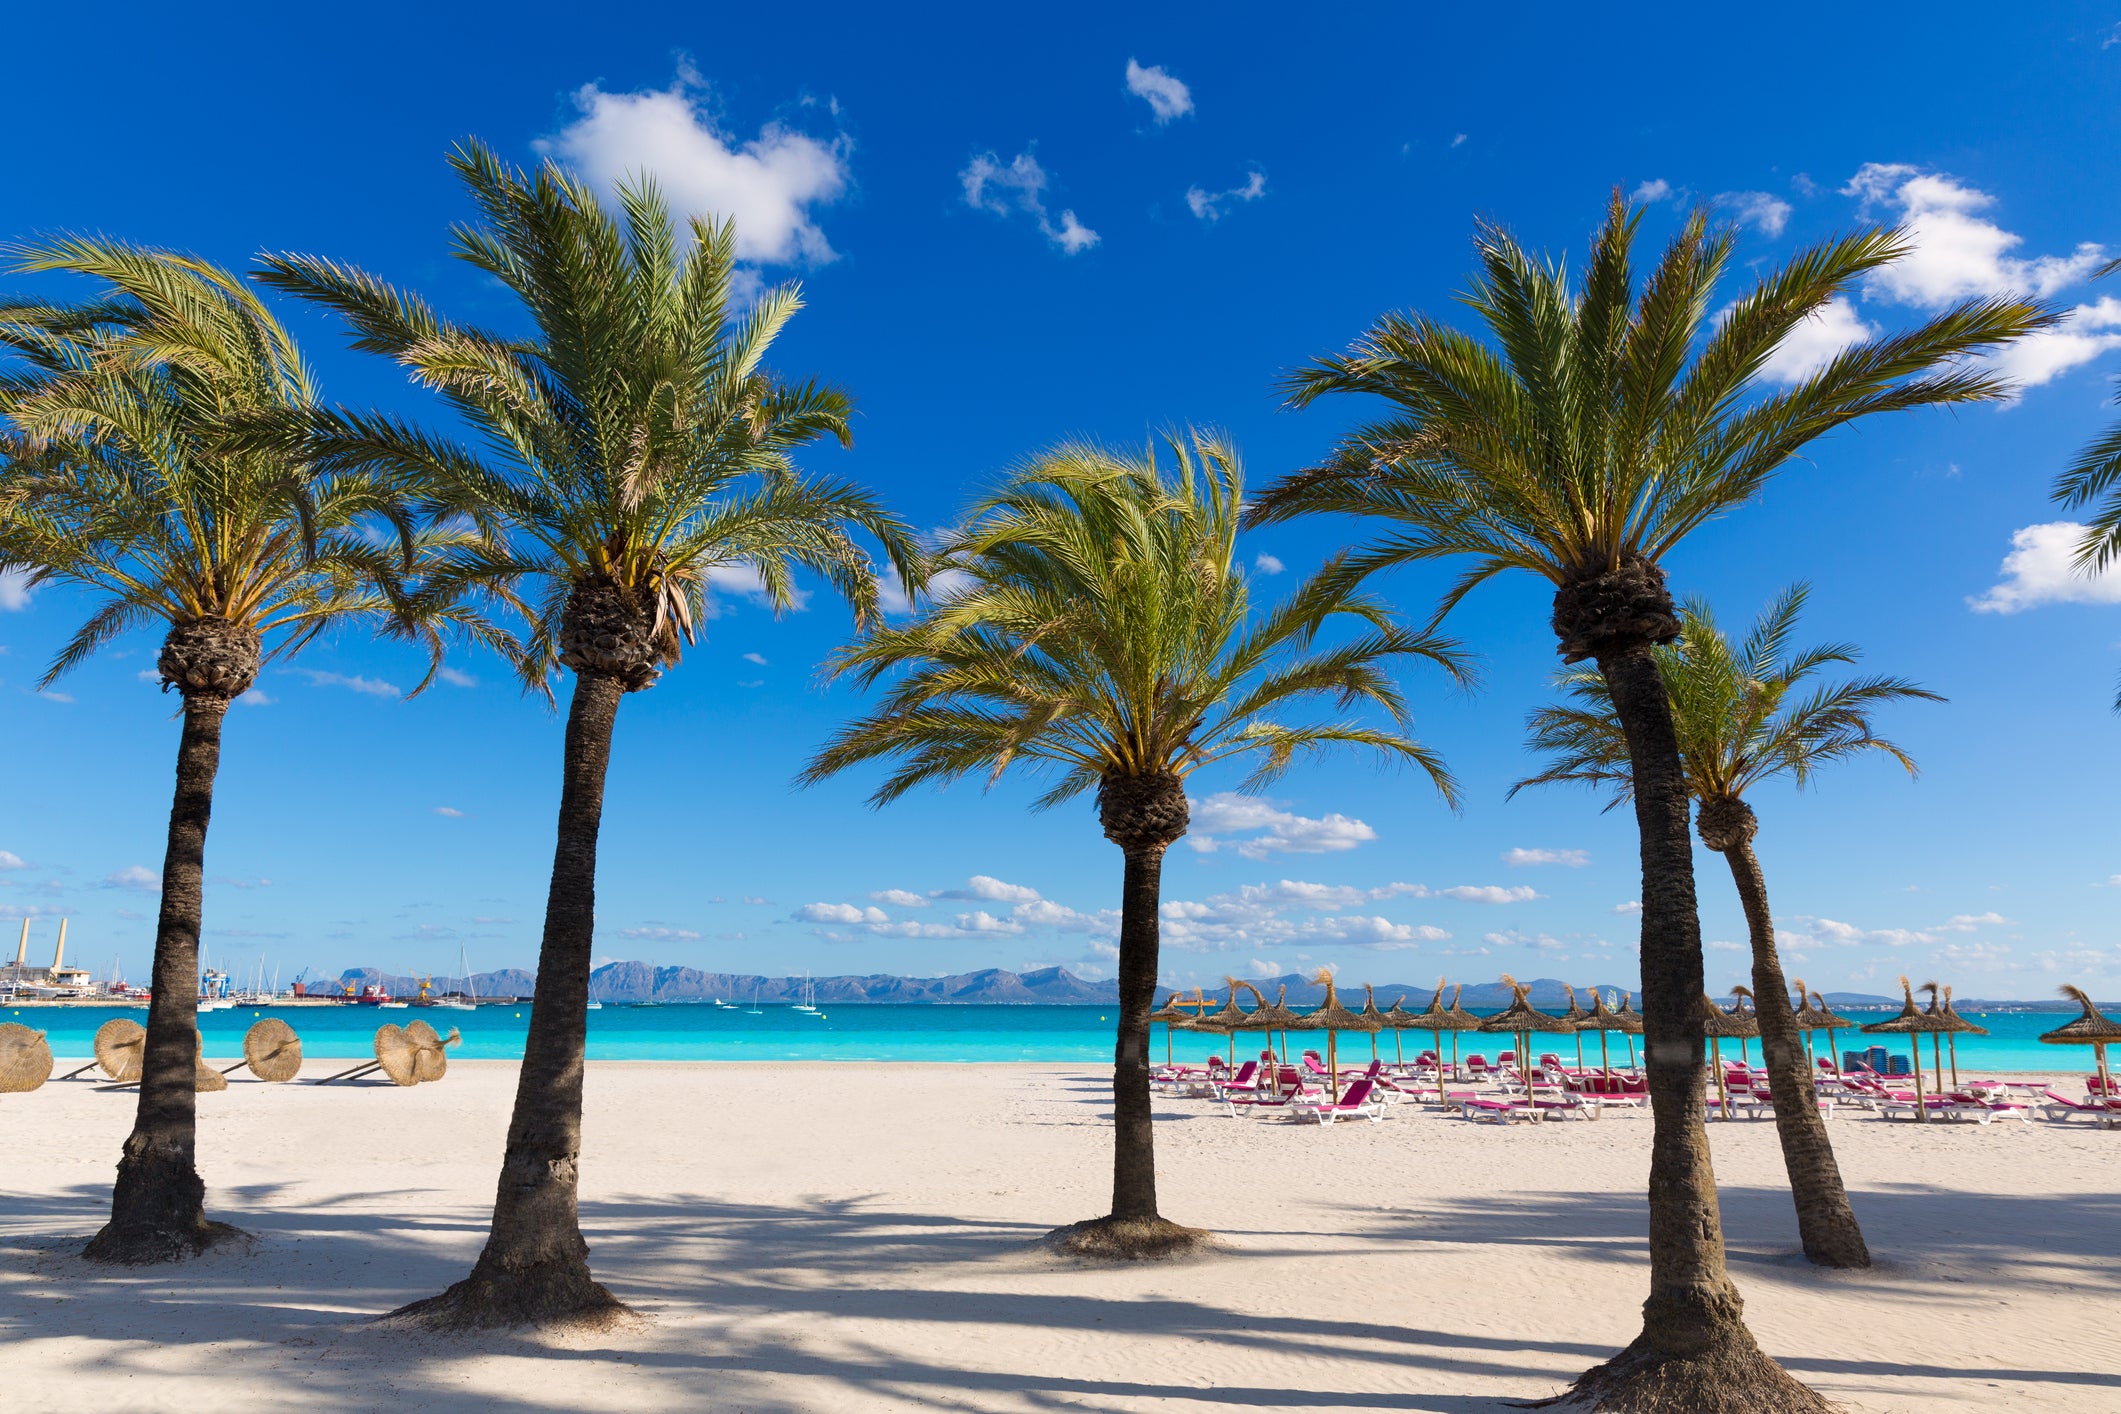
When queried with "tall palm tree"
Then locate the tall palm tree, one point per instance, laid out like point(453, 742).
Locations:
point(1098, 627)
point(634, 444)
point(122, 475)
point(1592, 431)
point(1740, 721)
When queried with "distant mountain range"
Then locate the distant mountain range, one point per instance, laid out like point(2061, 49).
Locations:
point(622, 982)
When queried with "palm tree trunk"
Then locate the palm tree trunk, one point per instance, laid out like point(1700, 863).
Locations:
point(158, 1208)
point(1825, 1222)
point(535, 1266)
point(1134, 1132)
point(1695, 1351)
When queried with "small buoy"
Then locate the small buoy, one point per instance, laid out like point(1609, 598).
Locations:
point(519, 1016)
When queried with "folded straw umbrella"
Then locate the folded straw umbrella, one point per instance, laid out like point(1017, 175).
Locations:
point(397, 1054)
point(25, 1058)
point(1332, 1018)
point(1578, 1019)
point(1954, 1026)
point(1604, 1019)
point(204, 1078)
point(118, 1046)
point(2091, 1029)
point(1826, 1019)
point(1276, 1016)
point(1520, 1019)
point(272, 1050)
point(1633, 1018)
point(430, 1059)
point(1439, 1019)
point(1267, 1017)
point(1913, 1025)
point(1371, 1014)
point(1398, 1019)
point(1173, 1015)
point(1716, 1024)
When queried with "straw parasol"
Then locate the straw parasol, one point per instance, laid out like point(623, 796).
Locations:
point(396, 1054)
point(1173, 1015)
point(2091, 1029)
point(1399, 1019)
point(1520, 1020)
point(119, 1042)
point(1332, 1018)
point(1603, 1019)
point(1439, 1019)
point(203, 1076)
point(1716, 1024)
point(25, 1059)
point(1269, 1017)
point(1826, 1019)
point(1911, 1024)
point(1578, 1019)
point(1633, 1018)
point(1371, 1014)
point(272, 1050)
point(430, 1059)
point(1954, 1026)
point(1228, 1020)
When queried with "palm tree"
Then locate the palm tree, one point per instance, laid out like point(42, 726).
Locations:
point(2096, 477)
point(634, 445)
point(1600, 427)
point(1741, 721)
point(121, 475)
point(1098, 627)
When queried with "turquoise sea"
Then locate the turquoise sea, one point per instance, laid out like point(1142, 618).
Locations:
point(872, 1031)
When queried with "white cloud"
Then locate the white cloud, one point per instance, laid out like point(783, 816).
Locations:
point(1815, 342)
point(373, 687)
point(1277, 831)
point(1458, 139)
point(14, 590)
point(1208, 206)
point(898, 898)
point(991, 889)
point(743, 581)
point(1721, 946)
point(1632, 906)
point(50, 696)
point(1804, 930)
point(1167, 97)
point(2083, 334)
point(1520, 858)
point(840, 913)
point(2041, 569)
point(9, 861)
point(254, 698)
point(1516, 937)
point(133, 876)
point(758, 658)
point(1656, 189)
point(661, 935)
point(1267, 564)
point(1956, 253)
point(766, 184)
point(1762, 210)
point(456, 677)
point(1020, 185)
point(1968, 922)
point(1045, 913)
point(1258, 916)
point(449, 812)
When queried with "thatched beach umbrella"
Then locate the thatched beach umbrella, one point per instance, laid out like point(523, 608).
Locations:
point(1226, 1020)
point(272, 1050)
point(430, 1059)
point(1604, 1019)
point(396, 1053)
point(2091, 1029)
point(1271, 1017)
point(1825, 1018)
point(204, 1077)
point(1398, 1019)
point(1950, 1026)
point(118, 1046)
point(1627, 1013)
point(1371, 1014)
point(1716, 1023)
point(1332, 1018)
point(25, 1058)
point(1911, 1024)
point(1173, 1016)
point(1439, 1019)
point(1520, 1019)
point(1578, 1019)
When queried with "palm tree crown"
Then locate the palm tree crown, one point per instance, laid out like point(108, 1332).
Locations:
point(128, 471)
point(1736, 706)
point(636, 445)
point(1602, 423)
point(1094, 621)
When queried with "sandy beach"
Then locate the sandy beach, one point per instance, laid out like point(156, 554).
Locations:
point(842, 1237)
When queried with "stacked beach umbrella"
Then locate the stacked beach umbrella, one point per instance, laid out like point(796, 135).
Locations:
point(1913, 1025)
point(2091, 1029)
point(1438, 1019)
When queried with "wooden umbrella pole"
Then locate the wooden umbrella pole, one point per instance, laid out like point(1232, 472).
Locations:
point(1605, 1057)
point(1723, 1096)
point(1333, 1064)
point(1952, 1043)
point(1442, 1096)
point(1937, 1055)
point(1922, 1109)
point(1631, 1050)
point(1399, 1052)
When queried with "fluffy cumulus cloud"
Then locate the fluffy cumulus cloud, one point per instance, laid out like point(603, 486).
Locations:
point(990, 889)
point(10, 861)
point(898, 898)
point(840, 913)
point(1210, 205)
point(1956, 252)
point(1655, 189)
point(1019, 186)
point(1524, 858)
point(767, 184)
point(1761, 210)
point(2041, 568)
point(133, 876)
point(14, 591)
point(1290, 913)
point(1267, 564)
point(1804, 930)
point(1168, 98)
point(1266, 829)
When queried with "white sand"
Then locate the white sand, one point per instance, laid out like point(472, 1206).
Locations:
point(833, 1237)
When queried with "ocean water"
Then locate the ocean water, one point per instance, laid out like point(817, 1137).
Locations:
point(877, 1032)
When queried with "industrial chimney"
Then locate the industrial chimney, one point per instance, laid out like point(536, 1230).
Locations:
point(22, 950)
point(59, 952)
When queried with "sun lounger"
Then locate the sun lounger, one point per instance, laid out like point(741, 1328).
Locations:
point(1482, 1107)
point(1935, 1106)
point(2061, 1109)
point(1245, 1082)
point(1358, 1101)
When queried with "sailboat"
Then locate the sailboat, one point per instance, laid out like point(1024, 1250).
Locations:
point(809, 1001)
point(469, 999)
point(754, 1002)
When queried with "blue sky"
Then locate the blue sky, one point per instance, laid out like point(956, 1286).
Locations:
point(1010, 233)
